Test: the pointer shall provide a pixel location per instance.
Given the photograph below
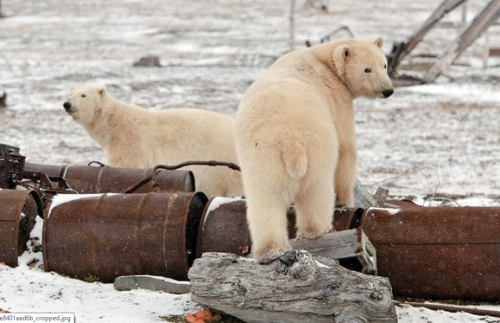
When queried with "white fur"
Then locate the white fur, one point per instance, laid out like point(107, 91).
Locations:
point(296, 141)
point(134, 137)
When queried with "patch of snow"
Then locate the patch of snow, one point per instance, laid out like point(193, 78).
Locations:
point(26, 289)
point(65, 198)
point(166, 279)
point(33, 252)
point(218, 201)
point(391, 211)
point(409, 314)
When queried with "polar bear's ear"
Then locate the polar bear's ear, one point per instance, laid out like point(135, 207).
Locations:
point(379, 42)
point(339, 56)
point(102, 91)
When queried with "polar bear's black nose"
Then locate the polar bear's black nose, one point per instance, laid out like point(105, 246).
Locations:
point(387, 93)
point(67, 106)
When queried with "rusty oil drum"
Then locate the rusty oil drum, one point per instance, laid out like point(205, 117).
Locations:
point(105, 179)
point(223, 226)
point(437, 252)
point(110, 235)
point(18, 211)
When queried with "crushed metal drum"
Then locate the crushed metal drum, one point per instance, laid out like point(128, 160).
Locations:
point(228, 215)
point(111, 235)
point(437, 252)
point(105, 179)
point(18, 212)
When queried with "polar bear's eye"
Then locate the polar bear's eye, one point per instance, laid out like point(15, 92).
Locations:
point(367, 70)
point(385, 65)
point(83, 95)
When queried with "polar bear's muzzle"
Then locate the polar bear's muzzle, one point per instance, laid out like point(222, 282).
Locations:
point(67, 107)
point(387, 93)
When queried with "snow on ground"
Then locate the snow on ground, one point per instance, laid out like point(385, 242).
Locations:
point(33, 290)
point(440, 138)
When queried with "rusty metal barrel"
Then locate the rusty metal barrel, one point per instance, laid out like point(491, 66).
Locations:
point(437, 252)
point(105, 179)
point(110, 235)
point(223, 226)
point(18, 211)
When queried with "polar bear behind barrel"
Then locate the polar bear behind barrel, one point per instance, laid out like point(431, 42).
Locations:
point(296, 141)
point(134, 137)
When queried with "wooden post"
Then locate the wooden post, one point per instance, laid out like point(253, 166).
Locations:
point(295, 288)
point(400, 50)
point(486, 52)
point(464, 13)
point(489, 14)
point(291, 17)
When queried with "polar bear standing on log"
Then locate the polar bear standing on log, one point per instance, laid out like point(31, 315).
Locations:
point(295, 138)
point(134, 137)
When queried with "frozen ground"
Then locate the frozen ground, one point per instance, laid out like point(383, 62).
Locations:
point(442, 136)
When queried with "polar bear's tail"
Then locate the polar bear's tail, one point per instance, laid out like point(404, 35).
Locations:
point(294, 156)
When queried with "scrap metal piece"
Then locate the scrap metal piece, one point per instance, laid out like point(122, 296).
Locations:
point(11, 166)
point(330, 36)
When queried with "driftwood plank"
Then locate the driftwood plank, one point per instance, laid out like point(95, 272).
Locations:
point(295, 288)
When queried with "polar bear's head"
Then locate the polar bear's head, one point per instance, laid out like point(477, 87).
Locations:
point(363, 67)
point(85, 103)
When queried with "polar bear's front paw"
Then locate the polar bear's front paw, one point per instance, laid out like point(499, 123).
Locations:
point(269, 255)
point(347, 202)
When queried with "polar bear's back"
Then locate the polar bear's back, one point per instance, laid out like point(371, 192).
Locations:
point(180, 135)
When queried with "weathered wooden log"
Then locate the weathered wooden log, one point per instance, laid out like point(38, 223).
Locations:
point(294, 288)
